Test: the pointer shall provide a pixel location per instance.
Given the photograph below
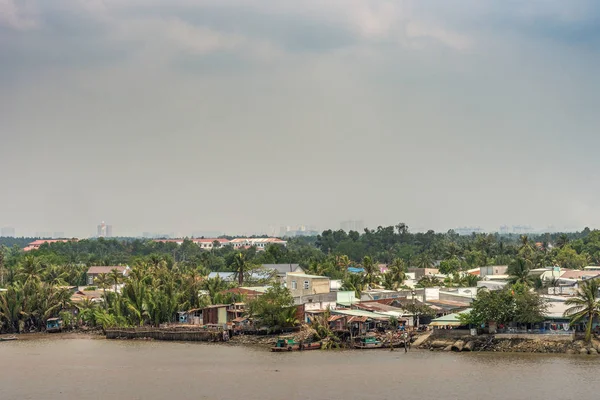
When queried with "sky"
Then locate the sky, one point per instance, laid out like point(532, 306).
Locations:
point(237, 116)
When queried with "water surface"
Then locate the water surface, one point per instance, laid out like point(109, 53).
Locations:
point(94, 369)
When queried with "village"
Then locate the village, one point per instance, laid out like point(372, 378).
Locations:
point(413, 317)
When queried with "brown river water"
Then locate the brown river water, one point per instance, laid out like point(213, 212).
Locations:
point(101, 369)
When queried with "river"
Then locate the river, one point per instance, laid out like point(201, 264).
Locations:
point(101, 369)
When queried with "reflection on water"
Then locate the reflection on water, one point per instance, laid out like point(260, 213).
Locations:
point(91, 369)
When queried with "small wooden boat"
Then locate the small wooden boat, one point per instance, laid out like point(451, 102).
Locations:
point(292, 345)
point(53, 325)
point(7, 339)
point(368, 343)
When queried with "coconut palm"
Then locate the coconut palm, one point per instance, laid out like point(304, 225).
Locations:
point(103, 281)
point(239, 266)
point(115, 277)
point(371, 271)
point(519, 272)
point(562, 241)
point(585, 306)
point(354, 283)
point(30, 269)
point(423, 260)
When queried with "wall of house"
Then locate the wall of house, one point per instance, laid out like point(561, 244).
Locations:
point(493, 270)
point(296, 285)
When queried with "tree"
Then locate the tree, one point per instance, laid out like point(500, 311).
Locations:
point(519, 272)
point(562, 241)
point(103, 281)
point(428, 281)
point(585, 306)
point(371, 270)
point(115, 276)
point(567, 257)
point(513, 304)
point(424, 260)
point(450, 266)
point(239, 266)
point(354, 283)
point(273, 308)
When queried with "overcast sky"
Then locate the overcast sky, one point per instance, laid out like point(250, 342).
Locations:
point(236, 115)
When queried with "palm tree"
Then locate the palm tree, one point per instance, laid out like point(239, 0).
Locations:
point(519, 272)
point(116, 277)
point(354, 283)
point(30, 269)
point(470, 280)
point(239, 266)
point(585, 306)
point(424, 260)
point(371, 270)
point(103, 281)
point(397, 270)
point(562, 241)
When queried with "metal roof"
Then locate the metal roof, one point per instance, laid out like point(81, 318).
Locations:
point(450, 319)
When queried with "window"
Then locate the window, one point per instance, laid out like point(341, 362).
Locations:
point(294, 285)
point(306, 285)
point(90, 280)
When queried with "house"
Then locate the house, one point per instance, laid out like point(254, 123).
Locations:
point(215, 314)
point(281, 270)
point(493, 270)
point(93, 272)
point(317, 303)
point(421, 272)
point(449, 321)
point(38, 243)
point(205, 244)
point(92, 295)
point(303, 285)
point(232, 276)
point(359, 322)
point(259, 243)
point(240, 293)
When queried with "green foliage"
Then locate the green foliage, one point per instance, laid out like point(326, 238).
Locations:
point(513, 304)
point(275, 308)
point(585, 306)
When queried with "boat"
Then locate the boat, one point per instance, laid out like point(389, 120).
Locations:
point(53, 325)
point(368, 342)
point(292, 345)
point(7, 339)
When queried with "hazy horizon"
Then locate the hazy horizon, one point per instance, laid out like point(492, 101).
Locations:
point(234, 116)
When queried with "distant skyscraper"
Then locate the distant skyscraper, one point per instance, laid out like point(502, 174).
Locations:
point(58, 235)
point(351, 225)
point(7, 232)
point(104, 231)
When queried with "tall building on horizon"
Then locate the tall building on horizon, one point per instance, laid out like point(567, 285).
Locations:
point(352, 225)
point(7, 231)
point(104, 231)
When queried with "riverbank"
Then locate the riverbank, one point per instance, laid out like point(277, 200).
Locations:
point(488, 344)
point(492, 343)
point(58, 335)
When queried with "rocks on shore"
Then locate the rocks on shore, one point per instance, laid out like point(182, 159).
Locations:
point(491, 344)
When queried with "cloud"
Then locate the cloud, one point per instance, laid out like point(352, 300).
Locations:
point(21, 16)
point(416, 30)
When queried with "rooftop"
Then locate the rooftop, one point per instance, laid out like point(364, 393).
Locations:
point(106, 270)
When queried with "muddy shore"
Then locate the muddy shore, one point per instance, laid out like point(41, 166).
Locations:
point(464, 344)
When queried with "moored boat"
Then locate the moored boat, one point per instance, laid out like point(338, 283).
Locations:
point(292, 345)
point(9, 338)
point(53, 325)
point(368, 342)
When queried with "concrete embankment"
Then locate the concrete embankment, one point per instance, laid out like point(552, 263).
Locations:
point(164, 334)
point(512, 343)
